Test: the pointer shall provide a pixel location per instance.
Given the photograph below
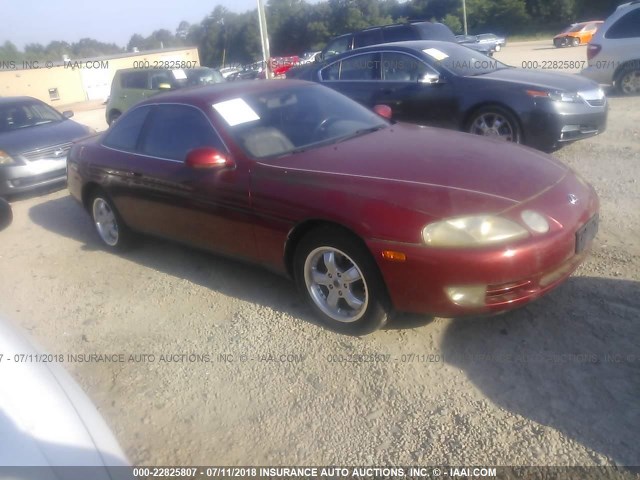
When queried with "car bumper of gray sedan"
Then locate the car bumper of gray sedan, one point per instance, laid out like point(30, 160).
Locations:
point(30, 176)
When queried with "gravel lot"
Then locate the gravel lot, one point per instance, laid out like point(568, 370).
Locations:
point(555, 383)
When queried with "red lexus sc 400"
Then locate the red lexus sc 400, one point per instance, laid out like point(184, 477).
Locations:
point(366, 215)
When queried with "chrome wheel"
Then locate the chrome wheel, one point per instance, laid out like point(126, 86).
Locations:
point(106, 222)
point(630, 82)
point(492, 124)
point(336, 284)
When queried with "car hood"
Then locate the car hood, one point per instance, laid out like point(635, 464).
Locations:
point(22, 140)
point(489, 174)
point(46, 420)
point(539, 79)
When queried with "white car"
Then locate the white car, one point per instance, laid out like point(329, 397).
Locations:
point(614, 51)
point(49, 429)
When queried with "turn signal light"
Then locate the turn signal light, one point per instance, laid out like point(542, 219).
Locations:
point(393, 256)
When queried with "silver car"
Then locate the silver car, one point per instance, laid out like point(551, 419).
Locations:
point(34, 141)
point(614, 51)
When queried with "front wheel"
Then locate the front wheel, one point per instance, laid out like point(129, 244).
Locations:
point(341, 281)
point(575, 42)
point(108, 223)
point(495, 122)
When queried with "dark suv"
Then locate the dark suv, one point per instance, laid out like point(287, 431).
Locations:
point(399, 32)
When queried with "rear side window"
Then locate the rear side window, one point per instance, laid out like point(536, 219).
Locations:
point(626, 27)
point(369, 37)
point(399, 33)
point(173, 130)
point(124, 134)
point(134, 80)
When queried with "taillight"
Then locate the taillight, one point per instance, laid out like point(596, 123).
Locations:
point(593, 50)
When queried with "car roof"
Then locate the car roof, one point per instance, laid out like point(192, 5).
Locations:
point(406, 45)
point(8, 100)
point(207, 94)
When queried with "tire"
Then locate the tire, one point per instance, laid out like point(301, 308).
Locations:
point(628, 79)
point(557, 43)
point(332, 266)
point(575, 42)
point(113, 116)
point(508, 128)
point(111, 229)
point(6, 214)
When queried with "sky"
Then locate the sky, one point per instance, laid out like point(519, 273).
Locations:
point(110, 21)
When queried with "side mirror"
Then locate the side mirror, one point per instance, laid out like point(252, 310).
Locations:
point(384, 111)
point(318, 58)
point(6, 215)
point(164, 86)
point(208, 158)
point(67, 114)
point(430, 78)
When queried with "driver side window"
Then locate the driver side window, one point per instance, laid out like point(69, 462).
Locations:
point(175, 129)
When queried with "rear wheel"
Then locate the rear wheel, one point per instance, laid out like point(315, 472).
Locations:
point(108, 223)
point(495, 122)
point(341, 281)
point(113, 116)
point(628, 80)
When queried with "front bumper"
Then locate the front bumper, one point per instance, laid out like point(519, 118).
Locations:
point(553, 124)
point(511, 275)
point(32, 175)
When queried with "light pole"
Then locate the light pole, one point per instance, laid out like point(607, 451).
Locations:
point(464, 15)
point(264, 39)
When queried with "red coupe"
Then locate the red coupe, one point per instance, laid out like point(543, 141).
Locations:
point(366, 215)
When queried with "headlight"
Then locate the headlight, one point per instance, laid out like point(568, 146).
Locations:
point(568, 97)
point(5, 159)
point(472, 231)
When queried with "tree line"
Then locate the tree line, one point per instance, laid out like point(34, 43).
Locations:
point(296, 26)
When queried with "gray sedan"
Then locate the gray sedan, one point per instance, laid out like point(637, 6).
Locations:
point(34, 141)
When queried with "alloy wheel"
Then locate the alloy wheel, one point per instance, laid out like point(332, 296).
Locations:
point(106, 222)
point(336, 284)
point(492, 124)
point(630, 82)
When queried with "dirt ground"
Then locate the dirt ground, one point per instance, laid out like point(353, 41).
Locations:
point(230, 367)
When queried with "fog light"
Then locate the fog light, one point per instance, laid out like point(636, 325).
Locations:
point(467, 295)
point(535, 221)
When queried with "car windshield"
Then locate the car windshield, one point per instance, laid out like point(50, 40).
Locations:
point(203, 76)
point(462, 61)
point(14, 116)
point(573, 28)
point(284, 121)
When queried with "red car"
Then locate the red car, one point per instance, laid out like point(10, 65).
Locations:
point(366, 215)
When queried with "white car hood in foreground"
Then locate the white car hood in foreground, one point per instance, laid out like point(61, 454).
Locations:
point(46, 420)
